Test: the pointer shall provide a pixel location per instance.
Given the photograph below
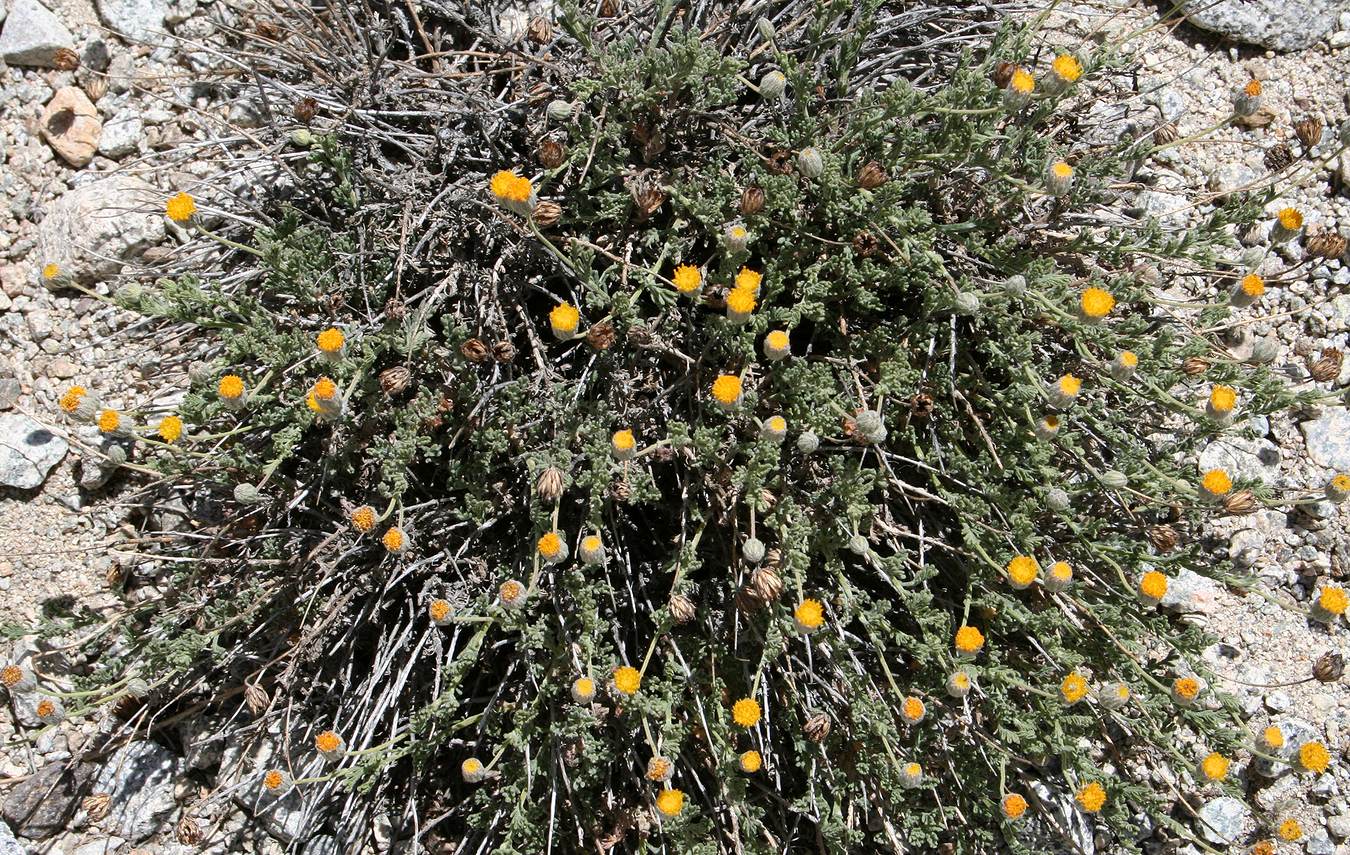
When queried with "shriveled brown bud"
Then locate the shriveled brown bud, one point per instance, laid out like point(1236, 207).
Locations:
point(601, 336)
point(1002, 74)
point(256, 697)
point(1326, 245)
point(189, 830)
point(547, 214)
point(1309, 132)
point(65, 59)
point(747, 601)
point(1329, 667)
point(95, 805)
point(1164, 538)
point(865, 244)
point(549, 485)
point(1194, 366)
point(621, 490)
point(305, 110)
point(817, 727)
point(682, 608)
point(395, 380)
point(1327, 367)
point(640, 336)
point(116, 574)
point(1277, 157)
point(766, 584)
point(872, 175)
point(648, 195)
point(1165, 134)
point(504, 351)
point(609, 8)
point(395, 310)
point(1240, 502)
point(752, 200)
point(767, 499)
point(474, 350)
point(539, 30)
point(95, 86)
point(551, 154)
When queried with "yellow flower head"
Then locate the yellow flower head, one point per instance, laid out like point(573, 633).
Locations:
point(969, 640)
point(394, 539)
point(231, 387)
point(50, 271)
point(687, 279)
point(564, 318)
point(777, 424)
point(1314, 757)
point(1060, 169)
point(170, 429)
point(324, 389)
point(745, 712)
point(510, 187)
point(45, 708)
point(913, 710)
point(1014, 805)
point(1069, 386)
point(549, 544)
point(748, 280)
point(1252, 89)
point(1097, 303)
point(180, 207)
point(1186, 688)
point(109, 420)
point(1341, 482)
point(70, 401)
point(809, 614)
point(1023, 570)
point(331, 340)
point(741, 301)
point(1060, 571)
point(472, 770)
point(1273, 737)
point(660, 769)
point(583, 689)
point(1222, 399)
point(1074, 688)
point(1067, 68)
point(751, 761)
point(511, 592)
point(362, 518)
point(777, 341)
point(1291, 219)
point(274, 779)
point(1128, 358)
point(1216, 482)
point(1290, 830)
point(1333, 599)
point(727, 389)
point(627, 679)
point(1091, 797)
point(1253, 286)
point(327, 742)
point(623, 440)
point(1215, 766)
point(670, 802)
point(1022, 82)
point(439, 610)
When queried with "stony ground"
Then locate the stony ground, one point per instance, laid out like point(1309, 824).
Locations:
point(82, 154)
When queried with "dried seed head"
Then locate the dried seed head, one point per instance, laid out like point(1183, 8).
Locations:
point(1240, 503)
point(305, 110)
point(609, 8)
point(766, 584)
point(1327, 367)
point(1329, 667)
point(95, 805)
point(872, 175)
point(1194, 366)
point(648, 195)
point(1309, 132)
point(256, 697)
point(549, 485)
point(866, 244)
point(817, 727)
point(65, 59)
point(601, 336)
point(682, 608)
point(1003, 73)
point(96, 86)
point(395, 380)
point(474, 350)
point(547, 214)
point(1278, 157)
point(188, 830)
point(551, 154)
point(540, 30)
point(394, 309)
point(1164, 538)
point(752, 200)
point(503, 351)
point(1326, 245)
point(1165, 134)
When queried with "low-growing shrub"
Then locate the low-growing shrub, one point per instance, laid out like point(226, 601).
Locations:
point(734, 445)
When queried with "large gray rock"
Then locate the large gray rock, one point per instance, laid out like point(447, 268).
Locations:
point(94, 229)
point(32, 35)
point(1328, 439)
point(1275, 24)
point(137, 20)
point(139, 781)
point(1220, 820)
point(1243, 459)
point(8, 845)
point(41, 806)
point(28, 451)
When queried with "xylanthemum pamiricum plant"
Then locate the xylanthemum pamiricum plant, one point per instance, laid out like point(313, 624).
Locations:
point(810, 474)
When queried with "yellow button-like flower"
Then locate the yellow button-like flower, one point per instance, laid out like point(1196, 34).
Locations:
point(1185, 689)
point(550, 546)
point(749, 280)
point(328, 743)
point(231, 387)
point(1022, 82)
point(1333, 599)
point(1216, 483)
point(1059, 577)
point(472, 770)
point(439, 611)
point(1222, 399)
point(1058, 178)
point(1014, 806)
point(627, 679)
point(70, 401)
point(362, 518)
point(969, 640)
point(913, 710)
point(1215, 766)
point(670, 802)
point(777, 345)
point(331, 341)
point(1290, 830)
point(1253, 286)
point(512, 594)
point(1022, 571)
point(746, 712)
point(1272, 738)
point(623, 445)
point(274, 780)
point(1067, 68)
point(1096, 303)
point(50, 271)
point(180, 207)
point(726, 390)
point(1073, 688)
point(1314, 757)
point(740, 303)
point(109, 421)
point(583, 690)
point(809, 616)
point(510, 187)
point(750, 762)
point(687, 279)
point(564, 319)
point(1091, 797)
point(395, 540)
point(170, 429)
point(1290, 219)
